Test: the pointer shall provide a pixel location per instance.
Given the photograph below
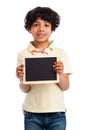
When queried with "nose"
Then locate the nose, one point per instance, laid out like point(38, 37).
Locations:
point(41, 28)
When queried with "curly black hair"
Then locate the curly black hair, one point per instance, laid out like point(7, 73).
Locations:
point(45, 14)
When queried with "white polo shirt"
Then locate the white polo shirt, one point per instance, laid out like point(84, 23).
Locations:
point(43, 98)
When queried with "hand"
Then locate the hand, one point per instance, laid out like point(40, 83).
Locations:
point(19, 71)
point(58, 67)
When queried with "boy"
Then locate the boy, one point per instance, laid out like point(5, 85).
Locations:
point(43, 106)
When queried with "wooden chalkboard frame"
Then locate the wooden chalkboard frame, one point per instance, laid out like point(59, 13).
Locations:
point(39, 70)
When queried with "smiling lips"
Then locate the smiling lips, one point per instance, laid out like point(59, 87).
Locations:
point(40, 35)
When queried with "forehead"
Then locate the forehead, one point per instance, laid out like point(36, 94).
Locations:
point(41, 20)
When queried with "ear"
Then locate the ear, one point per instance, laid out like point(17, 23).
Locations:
point(29, 31)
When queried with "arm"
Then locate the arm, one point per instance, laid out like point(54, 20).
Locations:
point(63, 78)
point(63, 81)
point(19, 73)
point(24, 87)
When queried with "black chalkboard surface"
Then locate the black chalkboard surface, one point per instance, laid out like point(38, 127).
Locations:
point(39, 70)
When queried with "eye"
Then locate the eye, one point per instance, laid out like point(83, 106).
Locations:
point(47, 25)
point(35, 24)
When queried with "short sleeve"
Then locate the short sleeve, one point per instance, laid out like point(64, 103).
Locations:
point(65, 60)
point(20, 59)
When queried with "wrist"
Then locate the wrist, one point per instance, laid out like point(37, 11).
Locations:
point(24, 87)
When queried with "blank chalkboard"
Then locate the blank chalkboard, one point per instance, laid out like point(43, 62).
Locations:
point(40, 70)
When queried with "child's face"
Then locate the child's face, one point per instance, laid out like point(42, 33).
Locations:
point(41, 30)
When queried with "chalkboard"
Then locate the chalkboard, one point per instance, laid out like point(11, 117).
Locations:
point(39, 70)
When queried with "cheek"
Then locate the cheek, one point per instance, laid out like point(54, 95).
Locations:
point(33, 32)
point(49, 32)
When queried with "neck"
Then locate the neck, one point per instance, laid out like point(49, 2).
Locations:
point(41, 46)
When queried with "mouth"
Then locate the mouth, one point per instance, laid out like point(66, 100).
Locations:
point(40, 35)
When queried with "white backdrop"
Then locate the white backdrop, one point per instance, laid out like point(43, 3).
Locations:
point(71, 36)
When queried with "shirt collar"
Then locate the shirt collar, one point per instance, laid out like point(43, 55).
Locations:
point(50, 48)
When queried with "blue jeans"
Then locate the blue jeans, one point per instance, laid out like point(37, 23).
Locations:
point(45, 121)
